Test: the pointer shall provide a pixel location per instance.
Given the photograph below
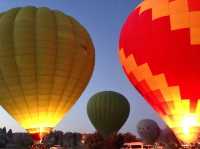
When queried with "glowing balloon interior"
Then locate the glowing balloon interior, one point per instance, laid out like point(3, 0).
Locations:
point(46, 61)
point(159, 51)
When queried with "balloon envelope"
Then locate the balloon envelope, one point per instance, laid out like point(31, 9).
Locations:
point(46, 61)
point(148, 130)
point(108, 111)
point(159, 51)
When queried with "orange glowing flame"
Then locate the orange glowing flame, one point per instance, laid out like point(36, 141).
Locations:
point(38, 133)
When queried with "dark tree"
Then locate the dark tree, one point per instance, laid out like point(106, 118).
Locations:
point(10, 133)
point(94, 141)
point(3, 137)
point(49, 140)
point(58, 137)
point(114, 141)
point(23, 140)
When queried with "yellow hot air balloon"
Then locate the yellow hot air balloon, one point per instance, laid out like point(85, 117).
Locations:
point(46, 61)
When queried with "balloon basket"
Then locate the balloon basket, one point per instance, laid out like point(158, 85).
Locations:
point(38, 134)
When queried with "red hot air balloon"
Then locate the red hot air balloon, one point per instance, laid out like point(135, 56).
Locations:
point(159, 52)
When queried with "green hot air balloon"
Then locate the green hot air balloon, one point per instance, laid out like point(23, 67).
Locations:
point(108, 111)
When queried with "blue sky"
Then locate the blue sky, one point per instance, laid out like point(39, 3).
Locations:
point(103, 20)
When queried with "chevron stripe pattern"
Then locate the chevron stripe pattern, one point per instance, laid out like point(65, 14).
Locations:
point(159, 52)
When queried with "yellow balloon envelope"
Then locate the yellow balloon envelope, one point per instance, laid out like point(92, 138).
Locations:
point(46, 61)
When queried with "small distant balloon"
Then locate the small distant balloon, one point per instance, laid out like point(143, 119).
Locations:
point(148, 130)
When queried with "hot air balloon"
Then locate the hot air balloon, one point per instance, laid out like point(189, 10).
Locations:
point(46, 61)
point(148, 130)
point(108, 111)
point(159, 51)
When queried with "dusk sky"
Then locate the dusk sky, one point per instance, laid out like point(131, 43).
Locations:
point(103, 19)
